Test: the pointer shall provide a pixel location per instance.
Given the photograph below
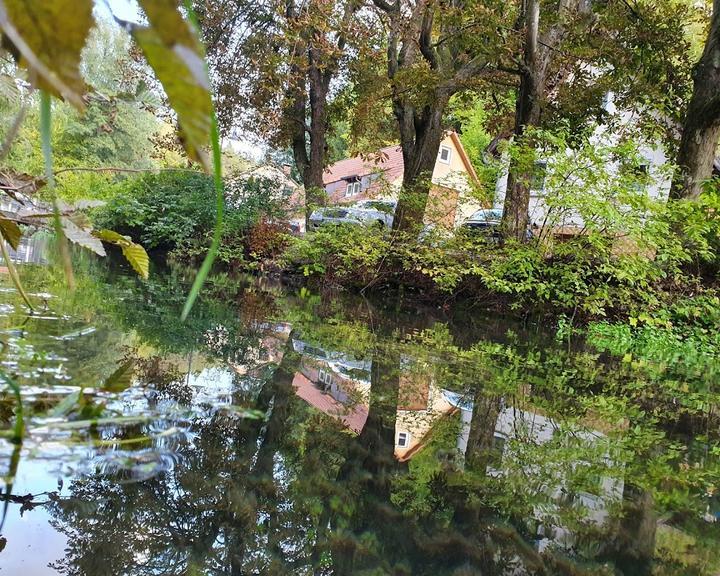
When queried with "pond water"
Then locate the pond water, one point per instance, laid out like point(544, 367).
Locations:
point(284, 432)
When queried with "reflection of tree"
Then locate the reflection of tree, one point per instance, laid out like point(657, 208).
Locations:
point(294, 492)
point(486, 409)
point(366, 476)
point(634, 543)
point(195, 517)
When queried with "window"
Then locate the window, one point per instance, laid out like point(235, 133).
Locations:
point(326, 379)
point(353, 188)
point(537, 182)
point(403, 439)
point(445, 154)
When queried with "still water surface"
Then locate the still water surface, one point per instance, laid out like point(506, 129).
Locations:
point(281, 432)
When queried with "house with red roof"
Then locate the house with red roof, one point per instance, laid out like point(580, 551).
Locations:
point(380, 175)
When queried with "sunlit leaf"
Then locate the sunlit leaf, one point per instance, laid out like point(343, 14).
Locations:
point(173, 51)
point(112, 237)
point(49, 36)
point(10, 231)
point(138, 259)
point(134, 253)
point(81, 237)
point(121, 378)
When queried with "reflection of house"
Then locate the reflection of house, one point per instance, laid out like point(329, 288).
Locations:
point(420, 404)
point(340, 386)
point(534, 429)
point(380, 175)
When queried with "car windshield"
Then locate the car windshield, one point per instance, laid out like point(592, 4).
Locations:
point(487, 215)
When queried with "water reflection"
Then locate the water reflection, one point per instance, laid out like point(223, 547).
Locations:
point(283, 433)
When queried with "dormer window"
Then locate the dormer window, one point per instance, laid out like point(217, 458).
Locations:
point(353, 188)
point(445, 154)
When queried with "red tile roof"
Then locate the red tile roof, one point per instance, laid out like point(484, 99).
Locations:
point(353, 417)
point(388, 160)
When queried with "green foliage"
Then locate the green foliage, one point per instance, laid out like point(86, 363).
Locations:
point(174, 211)
point(477, 131)
point(341, 254)
point(622, 248)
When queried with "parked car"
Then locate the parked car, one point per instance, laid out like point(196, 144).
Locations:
point(367, 212)
point(333, 215)
point(487, 222)
point(377, 211)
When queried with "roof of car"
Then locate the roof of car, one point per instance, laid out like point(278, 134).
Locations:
point(487, 214)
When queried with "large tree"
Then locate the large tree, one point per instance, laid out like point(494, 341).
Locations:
point(274, 65)
point(539, 52)
point(574, 53)
point(701, 128)
point(434, 50)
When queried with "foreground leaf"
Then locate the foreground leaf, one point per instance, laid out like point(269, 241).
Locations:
point(81, 237)
point(112, 237)
point(10, 231)
point(138, 259)
point(49, 36)
point(134, 253)
point(173, 51)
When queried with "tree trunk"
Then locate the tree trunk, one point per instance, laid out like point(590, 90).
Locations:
point(420, 139)
point(486, 410)
point(701, 130)
point(527, 113)
point(313, 175)
point(634, 547)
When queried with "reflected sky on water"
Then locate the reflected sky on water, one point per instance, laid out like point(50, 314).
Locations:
point(281, 432)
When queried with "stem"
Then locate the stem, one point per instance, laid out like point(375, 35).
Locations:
point(45, 123)
point(14, 275)
point(220, 208)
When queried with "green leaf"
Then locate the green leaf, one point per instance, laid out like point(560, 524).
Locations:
point(10, 231)
point(67, 404)
point(49, 36)
point(121, 378)
point(112, 237)
point(175, 54)
point(134, 253)
point(138, 259)
point(81, 237)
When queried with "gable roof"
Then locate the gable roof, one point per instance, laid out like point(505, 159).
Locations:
point(464, 157)
point(388, 161)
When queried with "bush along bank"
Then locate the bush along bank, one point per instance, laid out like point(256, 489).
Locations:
point(174, 212)
point(610, 269)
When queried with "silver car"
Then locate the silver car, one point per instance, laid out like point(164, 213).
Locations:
point(487, 222)
point(368, 212)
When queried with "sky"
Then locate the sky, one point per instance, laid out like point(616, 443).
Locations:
point(123, 9)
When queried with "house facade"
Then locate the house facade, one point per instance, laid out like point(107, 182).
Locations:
point(654, 164)
point(380, 176)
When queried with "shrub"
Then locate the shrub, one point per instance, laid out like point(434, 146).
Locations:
point(175, 211)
